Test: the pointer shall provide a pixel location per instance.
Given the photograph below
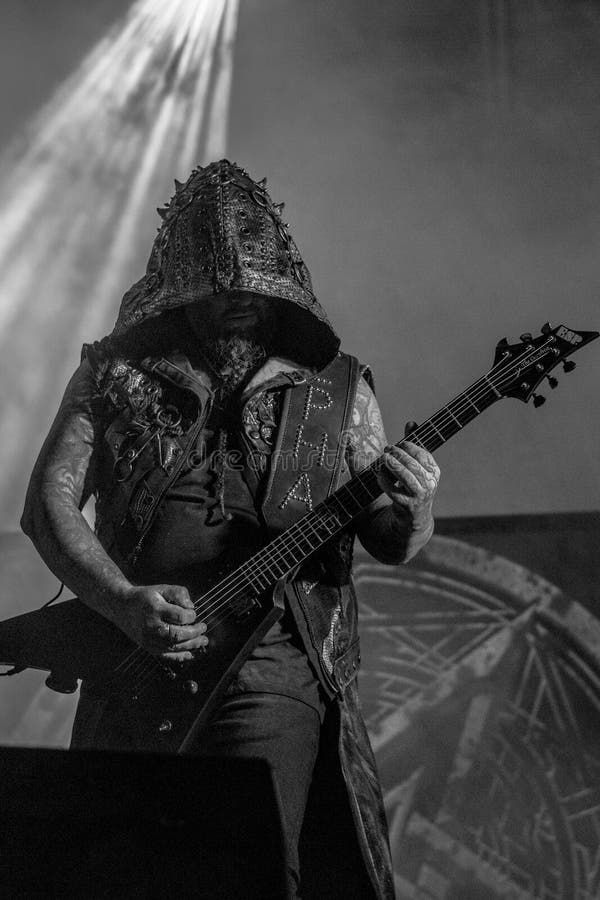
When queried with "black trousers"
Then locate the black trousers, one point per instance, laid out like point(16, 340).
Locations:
point(285, 733)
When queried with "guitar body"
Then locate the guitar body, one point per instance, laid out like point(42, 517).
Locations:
point(164, 706)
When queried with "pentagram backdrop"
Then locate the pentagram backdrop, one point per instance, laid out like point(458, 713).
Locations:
point(482, 692)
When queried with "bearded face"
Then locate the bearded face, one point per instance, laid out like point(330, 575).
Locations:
point(234, 332)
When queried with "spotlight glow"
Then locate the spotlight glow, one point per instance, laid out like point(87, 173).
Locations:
point(78, 194)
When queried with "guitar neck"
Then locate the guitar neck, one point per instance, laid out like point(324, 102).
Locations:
point(314, 529)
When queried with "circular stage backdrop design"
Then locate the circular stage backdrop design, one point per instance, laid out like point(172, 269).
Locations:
point(481, 690)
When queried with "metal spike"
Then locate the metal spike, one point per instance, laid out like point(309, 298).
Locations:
point(279, 207)
point(162, 211)
point(178, 185)
point(262, 183)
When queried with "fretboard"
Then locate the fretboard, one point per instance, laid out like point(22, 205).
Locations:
point(335, 513)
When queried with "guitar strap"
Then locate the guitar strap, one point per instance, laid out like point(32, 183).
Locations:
point(307, 460)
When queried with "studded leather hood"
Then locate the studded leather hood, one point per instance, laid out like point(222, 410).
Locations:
point(221, 232)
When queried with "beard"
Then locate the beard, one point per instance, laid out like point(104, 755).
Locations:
point(234, 359)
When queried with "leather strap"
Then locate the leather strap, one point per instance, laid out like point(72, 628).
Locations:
point(308, 457)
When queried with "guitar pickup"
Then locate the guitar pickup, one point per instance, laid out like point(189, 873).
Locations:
point(243, 606)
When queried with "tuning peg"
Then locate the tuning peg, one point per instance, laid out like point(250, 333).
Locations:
point(526, 336)
point(552, 381)
point(538, 400)
point(546, 328)
point(568, 365)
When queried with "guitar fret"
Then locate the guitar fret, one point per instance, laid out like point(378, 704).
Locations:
point(335, 498)
point(437, 431)
point(272, 566)
point(329, 530)
point(282, 563)
point(292, 536)
point(295, 534)
point(327, 523)
point(449, 422)
point(361, 484)
point(255, 581)
point(458, 422)
point(305, 537)
point(492, 387)
point(432, 441)
point(427, 426)
point(477, 410)
point(446, 430)
point(255, 578)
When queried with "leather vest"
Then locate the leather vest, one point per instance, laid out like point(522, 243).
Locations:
point(153, 412)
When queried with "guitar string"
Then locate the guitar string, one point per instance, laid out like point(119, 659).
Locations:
point(252, 569)
point(255, 571)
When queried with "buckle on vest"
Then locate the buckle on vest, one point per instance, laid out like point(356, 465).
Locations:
point(295, 377)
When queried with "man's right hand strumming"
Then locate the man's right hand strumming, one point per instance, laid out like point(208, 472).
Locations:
point(161, 618)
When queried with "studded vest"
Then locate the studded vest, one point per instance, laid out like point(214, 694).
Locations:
point(292, 435)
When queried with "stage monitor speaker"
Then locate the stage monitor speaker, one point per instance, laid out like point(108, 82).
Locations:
point(91, 825)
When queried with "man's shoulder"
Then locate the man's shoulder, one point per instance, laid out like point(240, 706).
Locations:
point(107, 364)
point(365, 383)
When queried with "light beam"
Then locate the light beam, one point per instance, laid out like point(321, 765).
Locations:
point(78, 194)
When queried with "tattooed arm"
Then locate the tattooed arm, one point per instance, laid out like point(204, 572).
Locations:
point(400, 522)
point(158, 617)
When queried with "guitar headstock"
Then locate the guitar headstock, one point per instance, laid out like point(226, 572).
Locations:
point(520, 368)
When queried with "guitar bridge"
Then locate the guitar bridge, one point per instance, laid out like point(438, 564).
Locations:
point(243, 606)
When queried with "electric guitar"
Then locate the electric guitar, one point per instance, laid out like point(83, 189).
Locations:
point(169, 704)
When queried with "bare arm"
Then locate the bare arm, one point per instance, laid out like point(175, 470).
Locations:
point(400, 522)
point(61, 482)
point(158, 617)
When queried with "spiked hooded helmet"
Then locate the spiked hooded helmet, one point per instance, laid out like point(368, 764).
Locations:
point(221, 232)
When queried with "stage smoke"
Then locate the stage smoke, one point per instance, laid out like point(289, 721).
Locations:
point(78, 195)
